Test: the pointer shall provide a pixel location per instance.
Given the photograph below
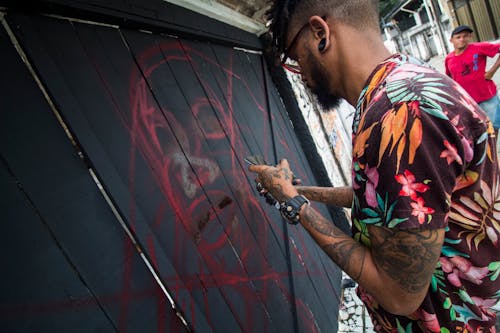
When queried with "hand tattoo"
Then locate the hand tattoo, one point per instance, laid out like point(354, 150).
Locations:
point(272, 182)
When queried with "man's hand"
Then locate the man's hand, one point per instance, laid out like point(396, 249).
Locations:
point(276, 180)
point(491, 72)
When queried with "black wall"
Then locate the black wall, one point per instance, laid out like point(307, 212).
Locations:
point(163, 120)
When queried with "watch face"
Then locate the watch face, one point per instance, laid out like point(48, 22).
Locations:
point(290, 219)
point(290, 209)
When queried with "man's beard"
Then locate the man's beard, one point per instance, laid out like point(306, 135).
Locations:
point(325, 99)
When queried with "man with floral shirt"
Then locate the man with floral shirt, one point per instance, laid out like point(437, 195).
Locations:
point(424, 196)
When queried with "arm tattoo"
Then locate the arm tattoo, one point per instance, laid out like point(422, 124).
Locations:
point(347, 253)
point(338, 196)
point(319, 195)
point(407, 256)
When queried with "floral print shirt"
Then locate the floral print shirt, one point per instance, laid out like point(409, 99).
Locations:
point(424, 157)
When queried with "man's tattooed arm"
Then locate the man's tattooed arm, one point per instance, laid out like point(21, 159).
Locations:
point(396, 270)
point(409, 257)
point(337, 196)
point(348, 254)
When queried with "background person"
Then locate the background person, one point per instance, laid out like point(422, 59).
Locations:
point(467, 65)
point(424, 244)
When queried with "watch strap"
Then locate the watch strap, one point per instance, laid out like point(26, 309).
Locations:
point(290, 209)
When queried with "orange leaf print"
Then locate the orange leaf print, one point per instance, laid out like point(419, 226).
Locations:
point(360, 141)
point(379, 76)
point(489, 153)
point(386, 133)
point(401, 149)
point(375, 81)
point(399, 124)
point(466, 179)
point(415, 139)
point(393, 129)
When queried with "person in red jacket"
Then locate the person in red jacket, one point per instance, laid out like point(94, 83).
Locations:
point(467, 65)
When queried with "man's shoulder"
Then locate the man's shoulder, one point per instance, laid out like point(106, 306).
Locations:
point(476, 45)
point(481, 45)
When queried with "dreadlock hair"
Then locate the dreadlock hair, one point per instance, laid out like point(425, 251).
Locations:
point(284, 14)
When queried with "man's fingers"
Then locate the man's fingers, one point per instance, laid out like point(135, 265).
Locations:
point(257, 168)
point(284, 163)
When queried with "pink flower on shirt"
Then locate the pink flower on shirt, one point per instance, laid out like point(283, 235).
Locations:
point(420, 210)
point(460, 268)
point(371, 185)
point(410, 187)
point(485, 305)
point(429, 321)
point(450, 153)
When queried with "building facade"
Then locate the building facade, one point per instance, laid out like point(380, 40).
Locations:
point(422, 27)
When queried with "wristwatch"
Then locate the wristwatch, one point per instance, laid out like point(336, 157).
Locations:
point(290, 208)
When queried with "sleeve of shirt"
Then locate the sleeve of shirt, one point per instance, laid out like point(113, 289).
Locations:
point(411, 162)
point(489, 49)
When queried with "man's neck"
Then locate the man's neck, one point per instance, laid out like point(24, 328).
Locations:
point(356, 55)
point(461, 50)
point(362, 71)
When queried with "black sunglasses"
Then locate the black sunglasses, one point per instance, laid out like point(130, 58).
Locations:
point(294, 68)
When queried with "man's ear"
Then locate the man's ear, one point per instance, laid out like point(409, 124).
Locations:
point(321, 32)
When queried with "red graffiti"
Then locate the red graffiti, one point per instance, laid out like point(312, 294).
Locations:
point(211, 216)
